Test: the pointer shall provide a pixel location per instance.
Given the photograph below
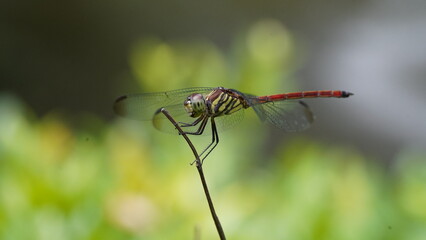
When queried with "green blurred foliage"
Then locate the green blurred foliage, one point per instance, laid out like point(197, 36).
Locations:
point(261, 59)
point(124, 180)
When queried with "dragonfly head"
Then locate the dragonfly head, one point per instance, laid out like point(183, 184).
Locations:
point(195, 105)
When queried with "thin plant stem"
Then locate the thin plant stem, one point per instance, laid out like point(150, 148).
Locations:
point(199, 166)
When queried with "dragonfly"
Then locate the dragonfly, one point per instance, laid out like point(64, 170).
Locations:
point(221, 108)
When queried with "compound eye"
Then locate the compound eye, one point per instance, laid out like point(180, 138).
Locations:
point(197, 97)
point(198, 102)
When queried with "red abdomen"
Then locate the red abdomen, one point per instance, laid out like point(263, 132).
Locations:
point(306, 94)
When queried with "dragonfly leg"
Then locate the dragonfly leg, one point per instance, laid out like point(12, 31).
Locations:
point(210, 144)
point(200, 130)
point(194, 123)
point(215, 141)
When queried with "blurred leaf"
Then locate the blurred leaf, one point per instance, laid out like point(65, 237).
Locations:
point(163, 66)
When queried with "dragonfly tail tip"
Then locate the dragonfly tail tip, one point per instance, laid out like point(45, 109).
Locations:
point(346, 94)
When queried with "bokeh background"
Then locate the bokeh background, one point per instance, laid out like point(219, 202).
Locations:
point(70, 169)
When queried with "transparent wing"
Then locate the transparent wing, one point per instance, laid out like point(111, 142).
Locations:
point(179, 114)
point(144, 106)
point(227, 122)
point(289, 115)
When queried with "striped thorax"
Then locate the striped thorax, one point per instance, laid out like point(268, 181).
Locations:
point(222, 101)
point(219, 102)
